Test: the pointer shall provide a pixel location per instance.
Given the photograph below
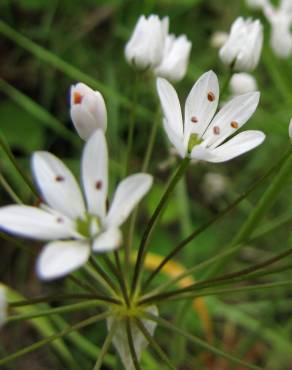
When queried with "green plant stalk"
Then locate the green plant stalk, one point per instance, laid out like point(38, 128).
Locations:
point(199, 342)
point(205, 226)
point(71, 71)
point(103, 275)
point(131, 345)
point(53, 311)
point(38, 112)
point(105, 346)
point(152, 342)
point(265, 202)
point(180, 296)
point(54, 297)
point(82, 284)
point(122, 280)
point(54, 337)
point(9, 190)
point(154, 220)
point(258, 233)
point(10, 156)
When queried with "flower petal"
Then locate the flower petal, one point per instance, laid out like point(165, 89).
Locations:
point(94, 173)
point(120, 339)
point(201, 104)
point(108, 240)
point(35, 223)
point(173, 123)
point(57, 185)
point(128, 194)
point(61, 257)
point(231, 117)
point(239, 144)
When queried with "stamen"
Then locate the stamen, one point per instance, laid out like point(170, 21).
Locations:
point(216, 130)
point(98, 185)
point(234, 124)
point(77, 97)
point(194, 119)
point(211, 96)
point(59, 178)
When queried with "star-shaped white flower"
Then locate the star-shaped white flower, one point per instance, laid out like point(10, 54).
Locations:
point(202, 135)
point(74, 228)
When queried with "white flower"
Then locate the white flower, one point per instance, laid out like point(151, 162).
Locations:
point(243, 48)
point(290, 129)
point(145, 47)
point(241, 83)
point(256, 4)
point(87, 110)
point(281, 22)
point(201, 137)
point(120, 339)
point(3, 305)
point(74, 228)
point(218, 39)
point(175, 58)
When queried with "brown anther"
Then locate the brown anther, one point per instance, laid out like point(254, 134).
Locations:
point(216, 130)
point(60, 220)
point(98, 185)
point(194, 119)
point(211, 96)
point(59, 178)
point(234, 124)
point(77, 97)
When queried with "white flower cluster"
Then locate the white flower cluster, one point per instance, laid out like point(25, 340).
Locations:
point(151, 46)
point(280, 19)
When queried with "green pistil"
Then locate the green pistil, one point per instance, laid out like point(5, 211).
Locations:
point(193, 141)
point(84, 226)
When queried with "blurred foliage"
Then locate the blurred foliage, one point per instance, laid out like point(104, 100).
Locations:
point(90, 35)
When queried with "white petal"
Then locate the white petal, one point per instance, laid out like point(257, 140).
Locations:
point(34, 223)
point(231, 117)
point(201, 104)
point(120, 339)
point(239, 144)
point(129, 192)
point(57, 185)
point(173, 123)
point(60, 258)
point(94, 173)
point(108, 240)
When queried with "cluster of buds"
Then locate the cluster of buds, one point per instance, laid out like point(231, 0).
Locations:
point(152, 47)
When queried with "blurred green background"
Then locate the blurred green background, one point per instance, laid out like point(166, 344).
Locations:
point(84, 40)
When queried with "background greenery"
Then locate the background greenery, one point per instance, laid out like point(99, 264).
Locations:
point(90, 36)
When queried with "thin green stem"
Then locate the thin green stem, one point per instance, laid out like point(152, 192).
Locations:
point(180, 295)
point(217, 217)
point(10, 156)
point(103, 274)
point(199, 342)
point(154, 220)
point(55, 298)
point(131, 345)
point(82, 284)
point(152, 342)
point(9, 190)
point(53, 311)
point(106, 346)
point(265, 202)
point(122, 281)
point(53, 337)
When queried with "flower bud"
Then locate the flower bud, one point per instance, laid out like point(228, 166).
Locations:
point(243, 48)
point(290, 129)
point(256, 4)
point(242, 83)
point(218, 39)
point(88, 110)
point(175, 58)
point(145, 47)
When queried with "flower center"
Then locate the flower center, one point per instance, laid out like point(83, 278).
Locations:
point(88, 227)
point(193, 141)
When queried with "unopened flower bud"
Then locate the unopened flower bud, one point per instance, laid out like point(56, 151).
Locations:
point(242, 83)
point(88, 110)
